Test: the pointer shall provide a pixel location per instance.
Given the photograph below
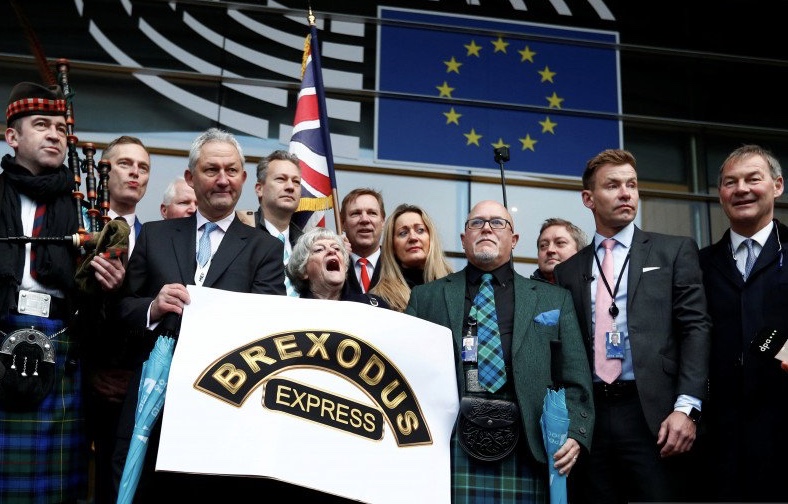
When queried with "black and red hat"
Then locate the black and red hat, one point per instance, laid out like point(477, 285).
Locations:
point(28, 98)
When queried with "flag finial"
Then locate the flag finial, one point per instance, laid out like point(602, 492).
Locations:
point(311, 17)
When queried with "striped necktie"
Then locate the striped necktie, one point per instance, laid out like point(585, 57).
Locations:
point(285, 258)
point(492, 369)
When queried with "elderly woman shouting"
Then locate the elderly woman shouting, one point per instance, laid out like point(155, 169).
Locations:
point(318, 268)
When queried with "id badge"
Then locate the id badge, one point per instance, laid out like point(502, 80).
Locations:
point(614, 345)
point(469, 348)
point(469, 343)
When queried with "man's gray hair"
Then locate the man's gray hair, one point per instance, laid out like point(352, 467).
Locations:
point(212, 135)
point(169, 193)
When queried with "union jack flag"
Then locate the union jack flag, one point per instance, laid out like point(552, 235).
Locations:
point(311, 141)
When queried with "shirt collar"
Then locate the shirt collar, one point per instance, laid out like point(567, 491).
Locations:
point(129, 218)
point(372, 258)
point(623, 237)
point(760, 237)
point(223, 223)
point(275, 232)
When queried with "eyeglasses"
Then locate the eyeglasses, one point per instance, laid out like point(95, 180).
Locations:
point(496, 223)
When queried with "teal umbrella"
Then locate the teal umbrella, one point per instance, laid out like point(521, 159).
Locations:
point(555, 426)
point(555, 417)
point(150, 399)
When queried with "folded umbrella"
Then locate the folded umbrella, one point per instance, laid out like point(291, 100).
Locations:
point(150, 399)
point(555, 426)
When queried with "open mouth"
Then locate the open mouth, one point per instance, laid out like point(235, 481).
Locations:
point(332, 265)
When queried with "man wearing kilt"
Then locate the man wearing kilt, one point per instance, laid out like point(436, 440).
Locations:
point(43, 454)
point(530, 330)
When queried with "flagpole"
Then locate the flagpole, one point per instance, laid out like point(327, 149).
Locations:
point(324, 117)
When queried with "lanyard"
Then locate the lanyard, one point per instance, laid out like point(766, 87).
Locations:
point(613, 310)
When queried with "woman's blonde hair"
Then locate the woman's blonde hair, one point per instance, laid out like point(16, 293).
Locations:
point(392, 285)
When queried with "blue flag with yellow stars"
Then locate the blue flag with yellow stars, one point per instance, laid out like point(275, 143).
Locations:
point(454, 88)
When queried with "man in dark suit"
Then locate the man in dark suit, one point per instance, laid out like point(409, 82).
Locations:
point(362, 215)
point(538, 331)
point(278, 188)
point(173, 253)
point(110, 350)
point(651, 348)
point(747, 411)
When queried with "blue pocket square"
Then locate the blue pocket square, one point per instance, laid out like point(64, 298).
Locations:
point(548, 318)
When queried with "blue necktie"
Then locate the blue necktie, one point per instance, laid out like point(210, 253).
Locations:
point(204, 247)
point(492, 370)
point(750, 258)
point(285, 258)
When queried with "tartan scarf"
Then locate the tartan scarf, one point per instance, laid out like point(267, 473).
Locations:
point(55, 263)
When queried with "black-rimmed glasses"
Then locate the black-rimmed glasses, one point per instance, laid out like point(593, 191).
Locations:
point(495, 223)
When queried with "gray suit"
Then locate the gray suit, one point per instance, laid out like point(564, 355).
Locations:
point(667, 321)
point(668, 330)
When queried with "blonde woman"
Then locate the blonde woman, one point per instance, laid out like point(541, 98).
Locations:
point(411, 255)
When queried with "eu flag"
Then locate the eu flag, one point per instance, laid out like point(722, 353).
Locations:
point(453, 88)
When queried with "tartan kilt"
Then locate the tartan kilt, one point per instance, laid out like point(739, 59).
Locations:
point(43, 453)
point(516, 479)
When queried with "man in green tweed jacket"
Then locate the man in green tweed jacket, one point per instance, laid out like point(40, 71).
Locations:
point(534, 319)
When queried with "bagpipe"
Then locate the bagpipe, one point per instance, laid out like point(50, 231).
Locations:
point(93, 212)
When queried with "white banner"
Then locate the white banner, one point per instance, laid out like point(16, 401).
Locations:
point(340, 397)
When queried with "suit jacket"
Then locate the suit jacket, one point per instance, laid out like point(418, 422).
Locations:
point(747, 413)
point(246, 261)
point(295, 231)
point(352, 280)
point(443, 302)
point(668, 327)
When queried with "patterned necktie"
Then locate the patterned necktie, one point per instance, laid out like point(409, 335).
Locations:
point(364, 274)
point(285, 258)
point(38, 225)
point(607, 369)
point(750, 257)
point(492, 369)
point(204, 247)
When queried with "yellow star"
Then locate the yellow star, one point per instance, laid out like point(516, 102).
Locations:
point(528, 143)
point(500, 45)
point(445, 90)
point(527, 54)
point(546, 74)
point(500, 143)
point(473, 49)
point(473, 138)
point(453, 66)
point(554, 100)
point(548, 126)
point(452, 117)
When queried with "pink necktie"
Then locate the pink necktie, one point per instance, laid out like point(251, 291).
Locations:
point(364, 274)
point(607, 369)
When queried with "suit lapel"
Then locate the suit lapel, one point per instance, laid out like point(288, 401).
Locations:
point(525, 303)
point(454, 296)
point(184, 248)
point(721, 258)
point(586, 261)
point(233, 242)
point(768, 254)
point(640, 249)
